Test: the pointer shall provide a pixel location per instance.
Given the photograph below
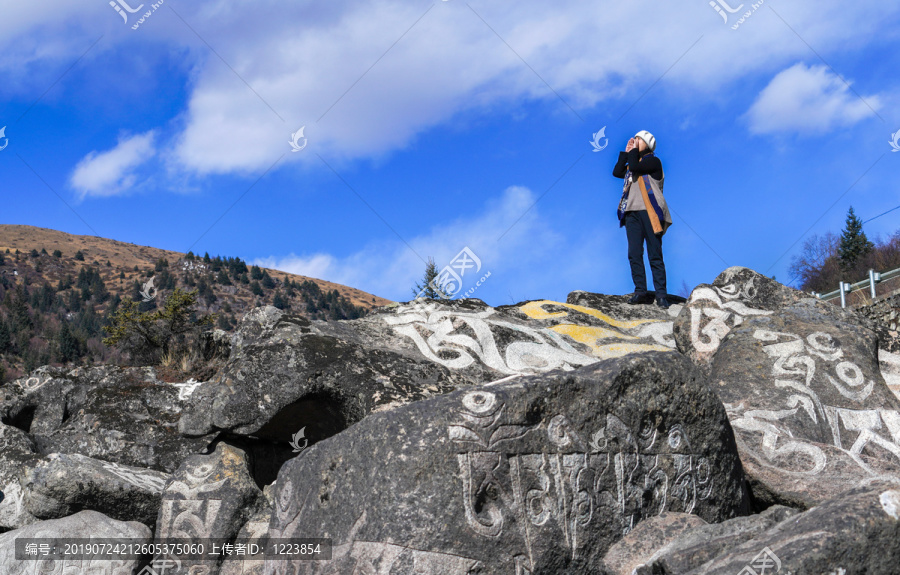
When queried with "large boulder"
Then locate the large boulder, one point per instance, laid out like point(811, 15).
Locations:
point(890, 369)
point(17, 452)
point(693, 547)
point(286, 373)
point(253, 532)
point(62, 484)
point(713, 310)
point(122, 415)
point(535, 474)
point(617, 307)
point(82, 525)
point(208, 497)
point(638, 547)
point(802, 385)
point(858, 532)
point(812, 414)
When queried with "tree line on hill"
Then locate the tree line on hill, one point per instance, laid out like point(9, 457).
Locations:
point(74, 320)
point(828, 259)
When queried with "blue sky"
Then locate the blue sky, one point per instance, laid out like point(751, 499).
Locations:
point(434, 126)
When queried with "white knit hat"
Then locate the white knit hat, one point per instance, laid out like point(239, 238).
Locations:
point(648, 139)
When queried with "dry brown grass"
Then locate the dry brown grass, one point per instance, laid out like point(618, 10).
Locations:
point(123, 257)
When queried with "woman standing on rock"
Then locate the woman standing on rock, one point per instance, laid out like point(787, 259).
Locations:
point(644, 215)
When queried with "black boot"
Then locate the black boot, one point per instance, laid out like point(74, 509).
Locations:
point(663, 302)
point(640, 298)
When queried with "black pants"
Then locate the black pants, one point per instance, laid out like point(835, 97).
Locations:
point(639, 229)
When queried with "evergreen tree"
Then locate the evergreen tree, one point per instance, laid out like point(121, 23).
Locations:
point(69, 346)
point(431, 287)
point(854, 243)
point(21, 318)
point(73, 303)
point(46, 298)
point(148, 336)
point(5, 339)
point(267, 281)
point(64, 283)
point(79, 256)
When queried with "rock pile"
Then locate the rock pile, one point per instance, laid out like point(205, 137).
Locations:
point(749, 429)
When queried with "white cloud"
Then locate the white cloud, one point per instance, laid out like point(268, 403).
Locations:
point(390, 269)
point(808, 100)
point(110, 173)
point(303, 63)
point(301, 58)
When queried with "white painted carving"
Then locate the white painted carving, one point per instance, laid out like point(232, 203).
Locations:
point(196, 482)
point(375, 558)
point(34, 383)
point(70, 566)
point(188, 519)
point(145, 479)
point(13, 503)
point(719, 313)
point(558, 491)
point(890, 369)
point(890, 502)
point(185, 390)
point(806, 365)
point(660, 332)
point(446, 340)
point(761, 420)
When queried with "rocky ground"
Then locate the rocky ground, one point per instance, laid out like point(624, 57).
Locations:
point(751, 429)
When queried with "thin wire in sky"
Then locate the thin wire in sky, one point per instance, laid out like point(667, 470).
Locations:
point(213, 50)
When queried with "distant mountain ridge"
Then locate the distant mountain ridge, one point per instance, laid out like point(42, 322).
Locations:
point(49, 279)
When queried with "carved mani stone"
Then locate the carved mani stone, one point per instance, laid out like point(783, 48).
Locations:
point(208, 497)
point(536, 474)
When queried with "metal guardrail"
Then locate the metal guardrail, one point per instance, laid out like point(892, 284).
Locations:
point(845, 288)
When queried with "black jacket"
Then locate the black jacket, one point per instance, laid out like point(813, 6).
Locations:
point(649, 164)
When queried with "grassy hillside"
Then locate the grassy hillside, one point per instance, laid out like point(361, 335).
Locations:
point(58, 290)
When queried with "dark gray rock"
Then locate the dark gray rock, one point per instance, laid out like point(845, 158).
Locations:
point(715, 309)
point(889, 362)
point(208, 497)
point(256, 528)
point(62, 484)
point(125, 416)
point(800, 379)
point(286, 373)
point(812, 415)
point(617, 306)
point(694, 547)
point(17, 452)
point(82, 525)
point(636, 548)
point(215, 345)
point(538, 474)
point(857, 532)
